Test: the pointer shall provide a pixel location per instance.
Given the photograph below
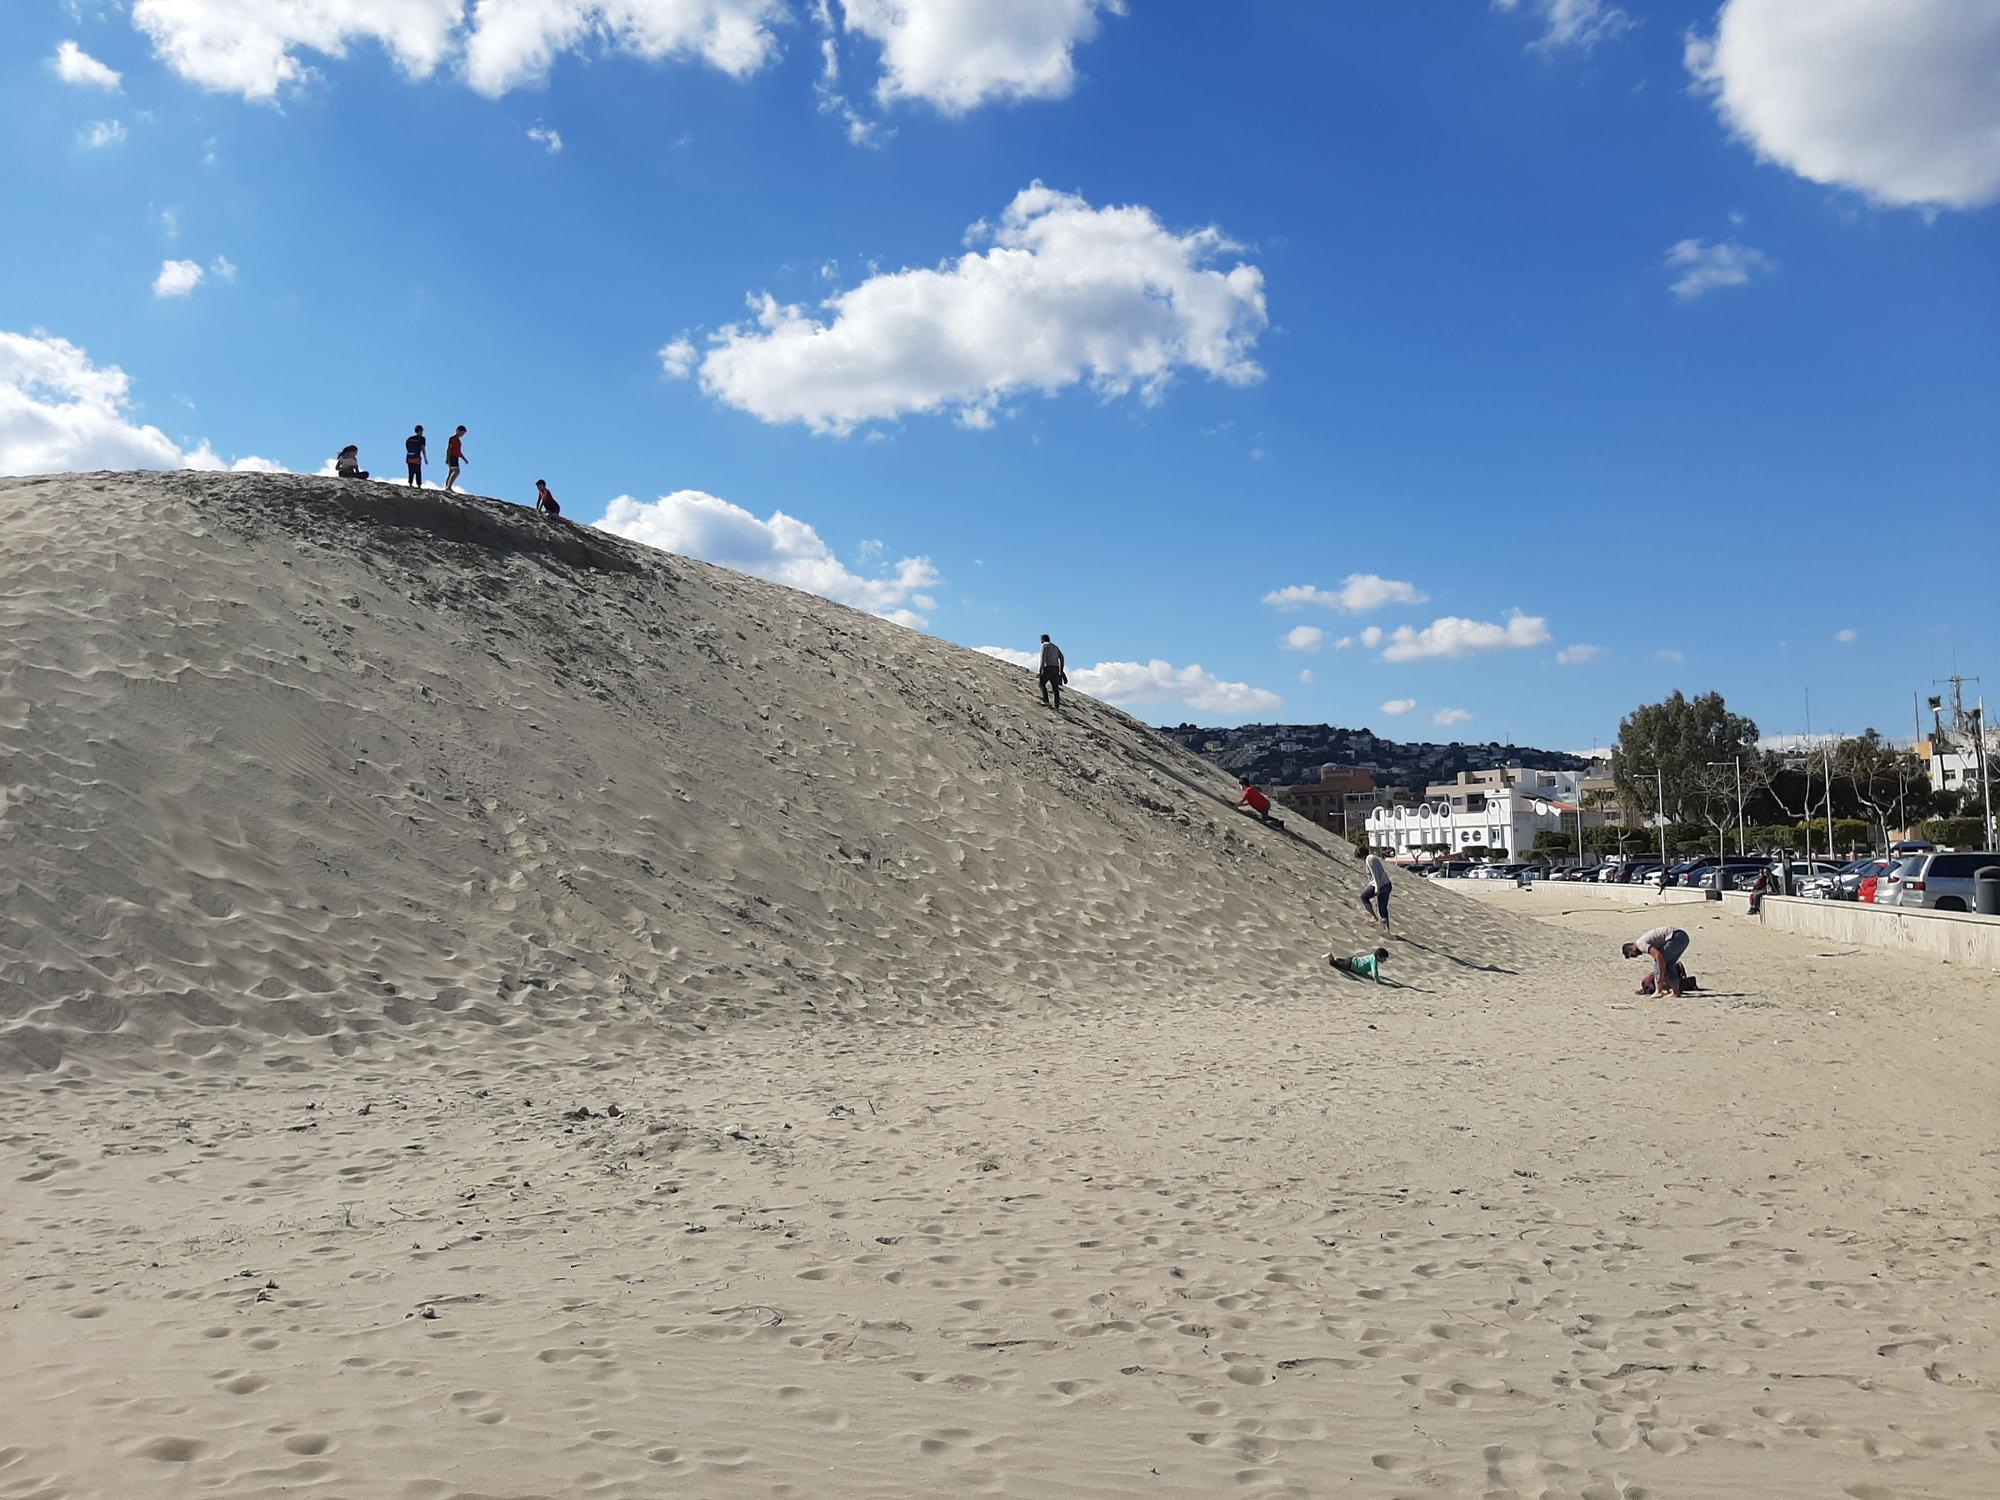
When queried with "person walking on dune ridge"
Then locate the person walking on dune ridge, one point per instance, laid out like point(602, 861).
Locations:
point(454, 457)
point(1375, 894)
point(416, 452)
point(1054, 671)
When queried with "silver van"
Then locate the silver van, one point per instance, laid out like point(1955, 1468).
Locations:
point(1937, 882)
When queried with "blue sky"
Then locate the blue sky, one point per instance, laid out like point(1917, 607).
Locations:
point(1607, 351)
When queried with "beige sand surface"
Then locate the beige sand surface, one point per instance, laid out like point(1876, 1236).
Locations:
point(985, 1122)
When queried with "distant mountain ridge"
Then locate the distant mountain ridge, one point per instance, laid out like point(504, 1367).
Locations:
point(1290, 754)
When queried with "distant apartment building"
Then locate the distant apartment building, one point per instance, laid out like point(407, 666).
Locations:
point(1952, 763)
point(1501, 808)
point(1341, 798)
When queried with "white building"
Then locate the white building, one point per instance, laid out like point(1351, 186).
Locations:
point(1500, 809)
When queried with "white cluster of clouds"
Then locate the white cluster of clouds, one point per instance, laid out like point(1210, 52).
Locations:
point(1453, 636)
point(549, 140)
point(1358, 594)
point(512, 43)
point(60, 413)
point(1447, 636)
point(783, 549)
point(1127, 683)
point(1571, 656)
point(1066, 294)
point(1895, 99)
point(1572, 23)
point(956, 55)
point(1396, 707)
point(953, 55)
point(101, 133)
point(1699, 268)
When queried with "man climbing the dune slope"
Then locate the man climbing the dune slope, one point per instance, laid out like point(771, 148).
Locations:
point(1054, 672)
point(1375, 894)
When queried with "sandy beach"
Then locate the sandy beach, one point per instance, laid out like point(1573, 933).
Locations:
point(487, 1010)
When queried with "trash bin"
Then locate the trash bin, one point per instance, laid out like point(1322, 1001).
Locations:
point(1986, 890)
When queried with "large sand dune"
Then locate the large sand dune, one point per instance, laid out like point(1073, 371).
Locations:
point(489, 1011)
point(336, 765)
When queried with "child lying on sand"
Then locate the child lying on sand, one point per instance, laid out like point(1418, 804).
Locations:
point(1362, 965)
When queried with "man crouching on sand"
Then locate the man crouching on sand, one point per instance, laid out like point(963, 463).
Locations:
point(1664, 945)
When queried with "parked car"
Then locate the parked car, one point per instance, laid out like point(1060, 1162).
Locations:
point(1731, 875)
point(1805, 872)
point(1689, 871)
point(1844, 884)
point(1939, 882)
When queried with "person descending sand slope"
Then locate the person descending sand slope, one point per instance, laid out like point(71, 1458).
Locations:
point(1054, 672)
point(1375, 894)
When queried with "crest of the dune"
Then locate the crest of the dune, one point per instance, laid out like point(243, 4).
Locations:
point(291, 764)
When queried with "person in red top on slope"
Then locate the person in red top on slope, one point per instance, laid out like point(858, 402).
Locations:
point(1259, 803)
point(454, 456)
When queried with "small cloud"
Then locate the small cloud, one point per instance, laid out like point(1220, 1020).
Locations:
point(1453, 636)
point(1580, 24)
point(170, 223)
point(1358, 594)
point(1669, 653)
point(1305, 674)
point(1450, 716)
point(1304, 638)
point(103, 133)
point(1569, 656)
point(1343, 643)
point(1703, 268)
point(549, 140)
point(177, 278)
point(678, 358)
point(1738, 217)
point(222, 268)
point(1372, 637)
point(1844, 636)
point(74, 65)
point(1396, 706)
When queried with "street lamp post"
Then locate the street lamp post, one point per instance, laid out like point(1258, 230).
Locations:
point(1662, 778)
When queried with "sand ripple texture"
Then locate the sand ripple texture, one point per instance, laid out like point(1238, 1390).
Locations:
point(304, 768)
point(1515, 1237)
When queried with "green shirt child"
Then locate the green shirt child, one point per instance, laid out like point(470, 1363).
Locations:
point(1362, 965)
